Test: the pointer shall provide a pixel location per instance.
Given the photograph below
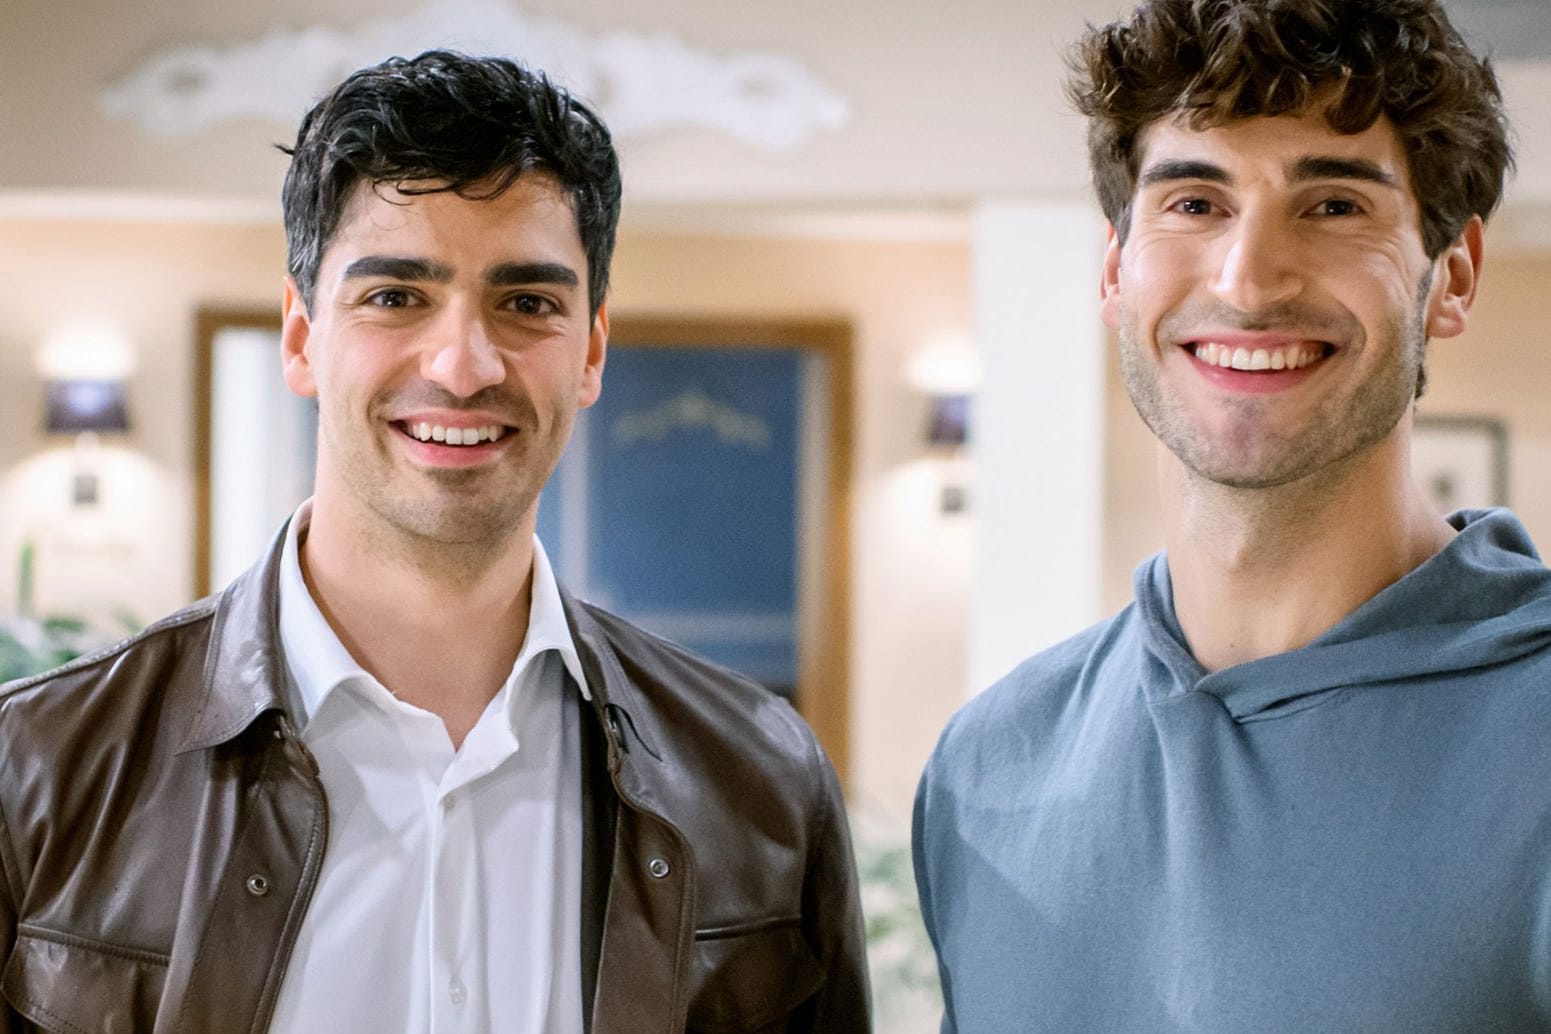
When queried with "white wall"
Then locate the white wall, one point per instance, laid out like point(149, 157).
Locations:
point(1040, 430)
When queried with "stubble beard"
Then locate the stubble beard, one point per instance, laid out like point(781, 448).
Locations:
point(1244, 453)
point(451, 523)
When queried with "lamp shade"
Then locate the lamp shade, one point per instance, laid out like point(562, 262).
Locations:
point(75, 406)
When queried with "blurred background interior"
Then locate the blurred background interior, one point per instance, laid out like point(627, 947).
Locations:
point(862, 433)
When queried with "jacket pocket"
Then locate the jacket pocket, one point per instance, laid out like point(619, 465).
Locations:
point(72, 985)
point(749, 978)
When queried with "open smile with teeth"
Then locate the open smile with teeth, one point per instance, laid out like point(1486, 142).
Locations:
point(1288, 357)
point(425, 432)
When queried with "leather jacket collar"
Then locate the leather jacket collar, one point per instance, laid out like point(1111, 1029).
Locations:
point(245, 673)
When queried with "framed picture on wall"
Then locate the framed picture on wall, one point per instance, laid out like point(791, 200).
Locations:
point(1461, 462)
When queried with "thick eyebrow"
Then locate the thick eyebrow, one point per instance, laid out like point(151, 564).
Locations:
point(397, 268)
point(1305, 169)
point(515, 274)
point(1183, 169)
point(1320, 167)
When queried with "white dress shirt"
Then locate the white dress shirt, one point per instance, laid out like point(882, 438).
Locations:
point(450, 896)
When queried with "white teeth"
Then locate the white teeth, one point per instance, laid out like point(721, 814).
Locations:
point(1291, 357)
point(426, 432)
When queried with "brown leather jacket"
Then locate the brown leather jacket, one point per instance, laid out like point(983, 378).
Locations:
point(162, 828)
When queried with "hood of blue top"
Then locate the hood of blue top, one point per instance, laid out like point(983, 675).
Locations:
point(1485, 599)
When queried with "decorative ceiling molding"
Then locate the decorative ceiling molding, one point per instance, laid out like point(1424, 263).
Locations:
point(642, 84)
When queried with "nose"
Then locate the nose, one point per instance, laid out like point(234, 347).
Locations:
point(460, 354)
point(1260, 266)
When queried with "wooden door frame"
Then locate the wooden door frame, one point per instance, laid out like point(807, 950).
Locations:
point(209, 321)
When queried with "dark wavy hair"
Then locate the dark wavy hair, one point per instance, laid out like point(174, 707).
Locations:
point(1212, 62)
point(447, 122)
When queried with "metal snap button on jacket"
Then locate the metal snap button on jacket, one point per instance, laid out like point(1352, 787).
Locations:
point(258, 885)
point(658, 867)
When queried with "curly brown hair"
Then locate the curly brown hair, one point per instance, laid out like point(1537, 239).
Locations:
point(1211, 62)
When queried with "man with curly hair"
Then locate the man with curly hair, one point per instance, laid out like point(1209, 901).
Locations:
point(394, 778)
point(1300, 784)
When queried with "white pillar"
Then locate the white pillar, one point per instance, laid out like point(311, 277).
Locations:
point(1038, 430)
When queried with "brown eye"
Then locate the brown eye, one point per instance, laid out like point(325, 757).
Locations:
point(531, 304)
point(392, 298)
point(1194, 206)
point(1337, 206)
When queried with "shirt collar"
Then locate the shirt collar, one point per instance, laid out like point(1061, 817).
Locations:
point(317, 662)
point(547, 626)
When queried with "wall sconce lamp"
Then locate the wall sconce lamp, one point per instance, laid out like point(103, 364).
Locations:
point(947, 431)
point(85, 408)
point(949, 424)
point(946, 370)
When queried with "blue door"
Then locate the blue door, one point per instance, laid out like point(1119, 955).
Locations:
point(676, 505)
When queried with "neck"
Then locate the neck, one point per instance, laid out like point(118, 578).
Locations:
point(439, 625)
point(1258, 572)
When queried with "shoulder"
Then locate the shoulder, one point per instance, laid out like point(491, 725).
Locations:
point(95, 695)
point(1033, 694)
point(1008, 740)
point(699, 705)
point(1021, 732)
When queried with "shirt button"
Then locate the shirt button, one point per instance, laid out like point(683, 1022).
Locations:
point(456, 992)
point(448, 802)
point(658, 867)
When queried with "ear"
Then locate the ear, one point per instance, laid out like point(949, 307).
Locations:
point(1456, 273)
point(597, 351)
point(295, 335)
point(1109, 282)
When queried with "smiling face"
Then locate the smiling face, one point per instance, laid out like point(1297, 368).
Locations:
point(450, 346)
point(1272, 296)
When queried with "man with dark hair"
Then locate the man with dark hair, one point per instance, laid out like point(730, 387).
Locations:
point(1299, 784)
point(394, 778)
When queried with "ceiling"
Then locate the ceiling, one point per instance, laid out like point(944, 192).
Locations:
point(953, 104)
